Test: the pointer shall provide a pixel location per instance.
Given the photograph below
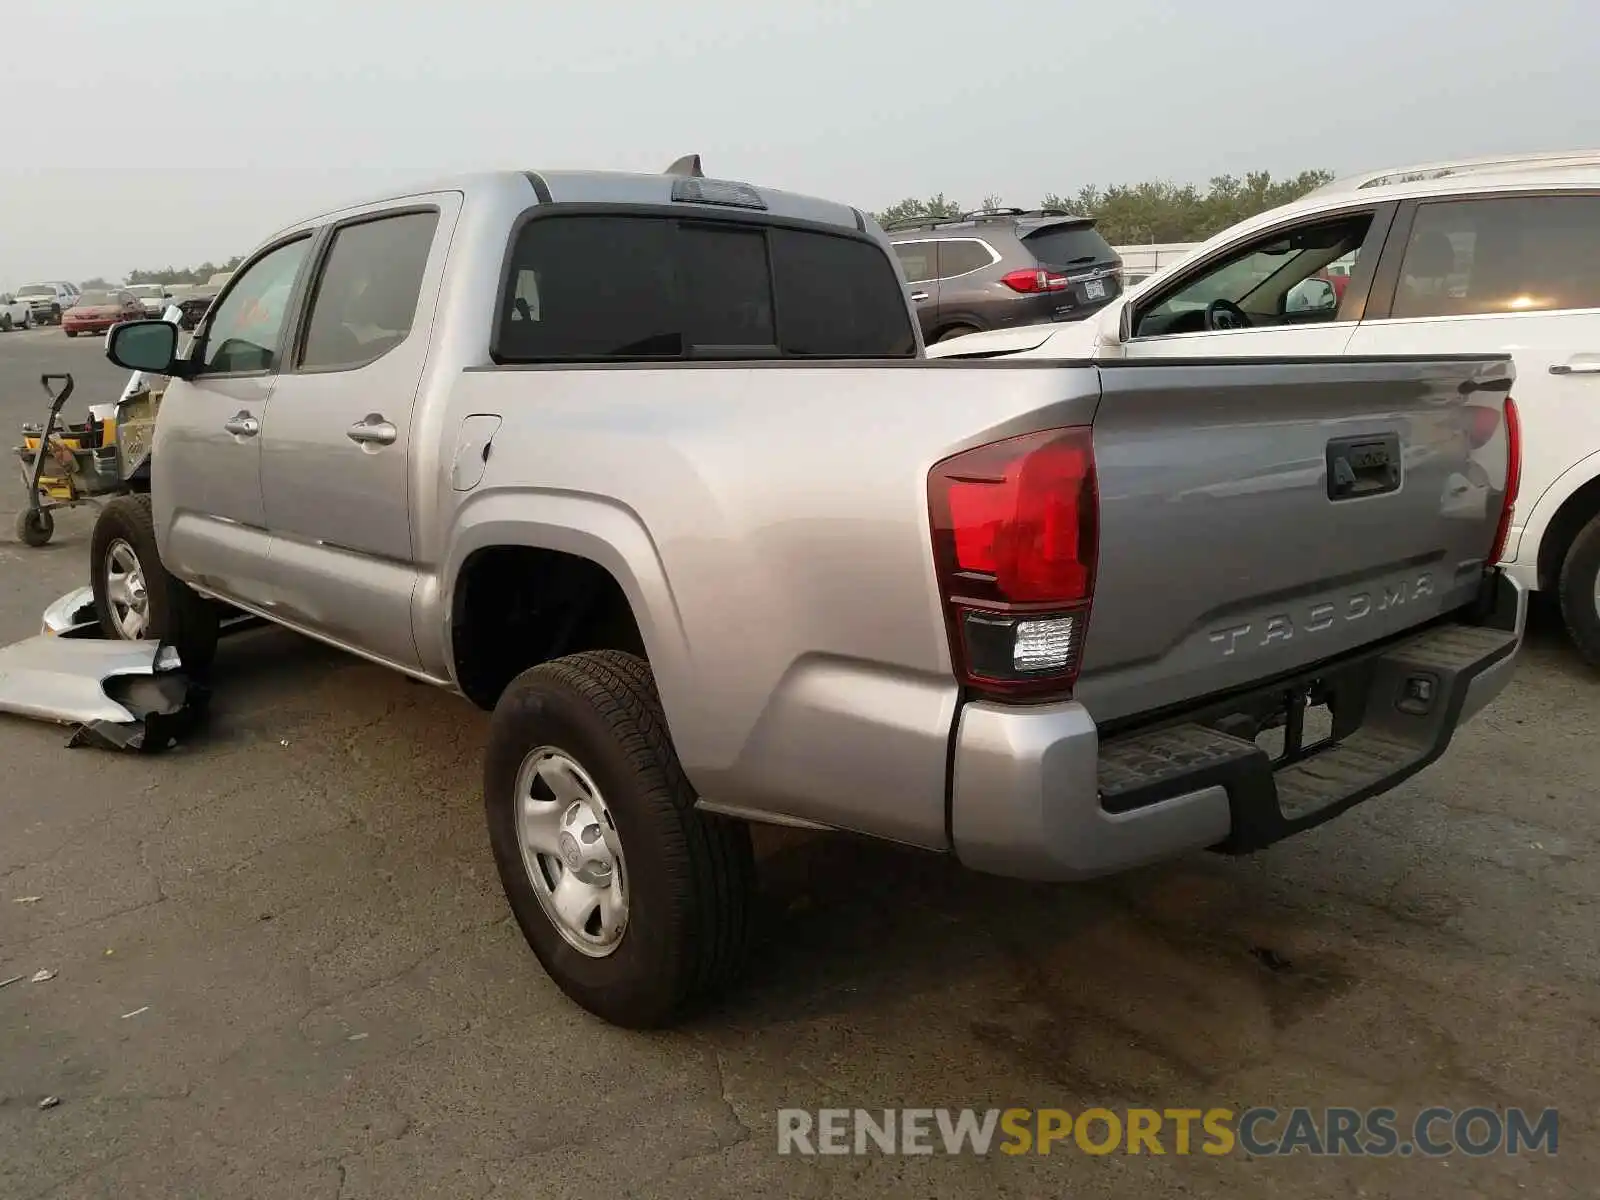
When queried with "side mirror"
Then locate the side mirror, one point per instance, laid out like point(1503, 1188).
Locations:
point(149, 346)
point(1311, 296)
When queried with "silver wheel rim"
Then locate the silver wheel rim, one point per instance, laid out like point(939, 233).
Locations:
point(126, 594)
point(571, 851)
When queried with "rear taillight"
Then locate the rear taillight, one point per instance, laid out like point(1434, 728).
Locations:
point(1034, 280)
point(1015, 542)
point(1513, 480)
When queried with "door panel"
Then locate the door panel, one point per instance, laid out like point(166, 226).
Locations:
point(336, 449)
point(919, 262)
point(206, 452)
point(1559, 409)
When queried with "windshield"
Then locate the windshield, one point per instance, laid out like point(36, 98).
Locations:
point(92, 299)
point(36, 289)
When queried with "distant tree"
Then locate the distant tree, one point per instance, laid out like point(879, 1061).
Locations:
point(1161, 211)
point(97, 284)
point(933, 206)
point(184, 274)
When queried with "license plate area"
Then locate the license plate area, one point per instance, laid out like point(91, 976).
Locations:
point(1095, 289)
point(1301, 718)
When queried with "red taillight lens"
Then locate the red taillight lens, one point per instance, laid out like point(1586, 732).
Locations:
point(1015, 540)
point(1513, 480)
point(1035, 280)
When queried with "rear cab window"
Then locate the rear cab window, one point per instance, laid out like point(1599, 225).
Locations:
point(606, 287)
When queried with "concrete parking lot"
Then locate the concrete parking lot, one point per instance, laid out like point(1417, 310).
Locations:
point(284, 967)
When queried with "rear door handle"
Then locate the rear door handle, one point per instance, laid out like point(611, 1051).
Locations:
point(242, 424)
point(372, 430)
point(919, 297)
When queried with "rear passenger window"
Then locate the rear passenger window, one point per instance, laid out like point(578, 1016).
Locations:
point(592, 288)
point(1511, 254)
point(366, 297)
point(962, 258)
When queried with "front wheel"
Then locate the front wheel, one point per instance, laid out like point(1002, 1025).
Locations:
point(135, 597)
point(72, 333)
point(5, 322)
point(636, 905)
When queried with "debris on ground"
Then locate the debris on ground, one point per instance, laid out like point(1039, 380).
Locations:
point(121, 695)
point(9, 982)
point(27, 899)
point(43, 976)
point(50, 1102)
point(136, 1012)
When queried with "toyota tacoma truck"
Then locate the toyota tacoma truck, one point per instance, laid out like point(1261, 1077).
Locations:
point(655, 469)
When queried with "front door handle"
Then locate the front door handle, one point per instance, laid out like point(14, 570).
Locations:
point(919, 297)
point(242, 424)
point(1585, 367)
point(372, 430)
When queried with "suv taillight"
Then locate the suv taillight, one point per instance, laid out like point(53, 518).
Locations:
point(1513, 480)
point(1035, 279)
point(1015, 543)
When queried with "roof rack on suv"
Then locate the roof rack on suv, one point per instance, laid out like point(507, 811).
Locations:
point(982, 214)
point(1510, 163)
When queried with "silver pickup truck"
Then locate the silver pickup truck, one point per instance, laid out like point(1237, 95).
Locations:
point(654, 467)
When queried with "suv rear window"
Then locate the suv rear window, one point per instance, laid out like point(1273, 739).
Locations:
point(1069, 246)
point(600, 287)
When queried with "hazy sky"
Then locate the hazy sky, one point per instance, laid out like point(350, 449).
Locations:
point(146, 132)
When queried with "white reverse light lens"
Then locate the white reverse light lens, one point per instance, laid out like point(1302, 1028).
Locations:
point(1044, 645)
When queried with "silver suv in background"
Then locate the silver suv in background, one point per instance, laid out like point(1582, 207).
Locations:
point(1001, 267)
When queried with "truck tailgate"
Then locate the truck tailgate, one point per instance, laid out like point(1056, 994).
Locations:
point(1260, 516)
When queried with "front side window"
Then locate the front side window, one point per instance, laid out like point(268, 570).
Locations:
point(247, 324)
point(603, 287)
point(1280, 279)
point(366, 297)
point(1508, 254)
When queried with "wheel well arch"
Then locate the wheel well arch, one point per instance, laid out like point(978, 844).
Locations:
point(513, 607)
point(1576, 511)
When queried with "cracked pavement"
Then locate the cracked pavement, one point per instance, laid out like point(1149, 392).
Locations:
point(285, 968)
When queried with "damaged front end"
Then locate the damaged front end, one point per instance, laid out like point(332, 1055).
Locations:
point(118, 695)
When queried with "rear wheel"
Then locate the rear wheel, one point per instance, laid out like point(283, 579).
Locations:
point(956, 331)
point(72, 333)
point(1579, 590)
point(135, 597)
point(636, 904)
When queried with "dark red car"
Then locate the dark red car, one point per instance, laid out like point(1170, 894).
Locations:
point(96, 312)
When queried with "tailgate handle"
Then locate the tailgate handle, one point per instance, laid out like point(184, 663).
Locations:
point(1363, 466)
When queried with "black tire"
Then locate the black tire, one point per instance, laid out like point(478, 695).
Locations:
point(34, 527)
point(956, 331)
point(177, 615)
point(5, 322)
point(689, 875)
point(71, 333)
point(55, 314)
point(1580, 574)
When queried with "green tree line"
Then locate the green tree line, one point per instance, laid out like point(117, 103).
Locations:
point(1153, 211)
point(166, 275)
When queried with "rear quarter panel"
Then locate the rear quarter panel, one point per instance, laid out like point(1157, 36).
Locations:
point(770, 524)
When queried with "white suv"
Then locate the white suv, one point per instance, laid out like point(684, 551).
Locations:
point(1477, 256)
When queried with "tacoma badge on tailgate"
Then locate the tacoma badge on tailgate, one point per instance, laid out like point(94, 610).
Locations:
point(1322, 614)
